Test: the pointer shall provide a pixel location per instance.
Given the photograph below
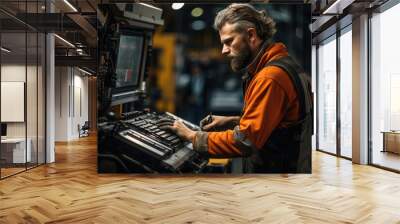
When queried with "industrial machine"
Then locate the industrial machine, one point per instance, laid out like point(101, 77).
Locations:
point(131, 141)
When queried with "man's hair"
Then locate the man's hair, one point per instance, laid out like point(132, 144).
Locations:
point(245, 16)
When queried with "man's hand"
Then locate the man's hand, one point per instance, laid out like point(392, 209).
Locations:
point(178, 128)
point(217, 122)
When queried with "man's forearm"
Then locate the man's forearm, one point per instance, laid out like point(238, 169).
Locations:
point(200, 139)
point(234, 120)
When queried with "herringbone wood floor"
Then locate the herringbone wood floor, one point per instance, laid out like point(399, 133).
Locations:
point(71, 191)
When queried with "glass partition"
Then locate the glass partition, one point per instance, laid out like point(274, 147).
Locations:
point(22, 64)
point(41, 91)
point(31, 97)
point(14, 146)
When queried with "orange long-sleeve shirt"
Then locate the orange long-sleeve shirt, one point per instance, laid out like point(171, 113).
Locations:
point(270, 101)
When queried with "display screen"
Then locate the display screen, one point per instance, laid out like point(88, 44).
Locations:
point(128, 60)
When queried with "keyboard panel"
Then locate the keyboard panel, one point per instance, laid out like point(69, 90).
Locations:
point(147, 125)
point(162, 150)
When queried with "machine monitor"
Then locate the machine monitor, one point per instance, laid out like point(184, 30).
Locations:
point(129, 61)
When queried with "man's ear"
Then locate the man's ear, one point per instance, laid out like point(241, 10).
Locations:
point(252, 34)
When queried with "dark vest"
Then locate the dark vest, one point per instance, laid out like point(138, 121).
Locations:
point(287, 150)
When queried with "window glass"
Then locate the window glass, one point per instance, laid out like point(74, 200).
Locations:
point(327, 96)
point(385, 88)
point(345, 94)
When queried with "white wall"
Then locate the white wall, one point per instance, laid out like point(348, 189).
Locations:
point(33, 126)
point(81, 112)
point(62, 81)
point(16, 73)
point(71, 102)
point(12, 73)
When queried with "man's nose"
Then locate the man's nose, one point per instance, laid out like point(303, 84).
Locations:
point(225, 50)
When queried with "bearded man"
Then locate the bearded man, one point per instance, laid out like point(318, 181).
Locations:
point(273, 133)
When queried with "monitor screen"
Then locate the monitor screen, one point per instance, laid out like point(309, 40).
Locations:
point(128, 60)
point(3, 129)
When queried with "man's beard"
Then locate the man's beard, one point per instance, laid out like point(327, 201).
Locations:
point(242, 59)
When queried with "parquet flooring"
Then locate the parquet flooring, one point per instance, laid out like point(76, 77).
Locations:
point(71, 191)
point(10, 171)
